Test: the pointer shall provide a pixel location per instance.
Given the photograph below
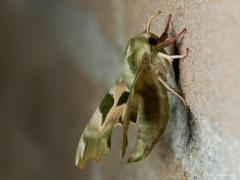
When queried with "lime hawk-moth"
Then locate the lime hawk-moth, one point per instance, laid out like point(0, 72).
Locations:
point(138, 96)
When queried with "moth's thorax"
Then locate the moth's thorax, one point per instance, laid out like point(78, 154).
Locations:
point(136, 47)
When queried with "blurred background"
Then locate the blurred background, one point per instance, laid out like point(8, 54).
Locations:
point(58, 58)
point(46, 96)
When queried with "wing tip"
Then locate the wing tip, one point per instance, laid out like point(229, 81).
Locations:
point(81, 161)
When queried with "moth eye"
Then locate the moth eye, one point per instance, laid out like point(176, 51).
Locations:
point(152, 41)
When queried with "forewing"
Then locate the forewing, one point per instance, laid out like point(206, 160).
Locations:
point(152, 117)
point(131, 110)
point(152, 111)
point(96, 138)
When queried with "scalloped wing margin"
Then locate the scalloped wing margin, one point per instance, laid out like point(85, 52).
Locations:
point(96, 137)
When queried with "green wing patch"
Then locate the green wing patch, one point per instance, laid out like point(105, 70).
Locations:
point(96, 137)
point(123, 99)
point(106, 105)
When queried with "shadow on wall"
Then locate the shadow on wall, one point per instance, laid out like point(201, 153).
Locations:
point(45, 98)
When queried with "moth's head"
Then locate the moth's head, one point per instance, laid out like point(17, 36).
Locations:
point(143, 42)
point(153, 39)
point(148, 38)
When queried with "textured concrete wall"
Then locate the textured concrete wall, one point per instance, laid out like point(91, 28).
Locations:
point(60, 57)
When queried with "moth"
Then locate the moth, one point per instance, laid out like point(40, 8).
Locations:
point(139, 96)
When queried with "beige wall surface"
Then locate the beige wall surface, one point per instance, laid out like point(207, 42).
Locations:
point(59, 58)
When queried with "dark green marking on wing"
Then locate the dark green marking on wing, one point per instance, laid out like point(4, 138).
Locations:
point(106, 105)
point(123, 98)
point(132, 62)
point(136, 45)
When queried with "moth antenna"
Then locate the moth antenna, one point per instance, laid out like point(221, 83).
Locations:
point(168, 23)
point(150, 20)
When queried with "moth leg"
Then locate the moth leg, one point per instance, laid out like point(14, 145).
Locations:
point(169, 88)
point(171, 58)
point(168, 23)
point(170, 41)
point(164, 35)
point(147, 28)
